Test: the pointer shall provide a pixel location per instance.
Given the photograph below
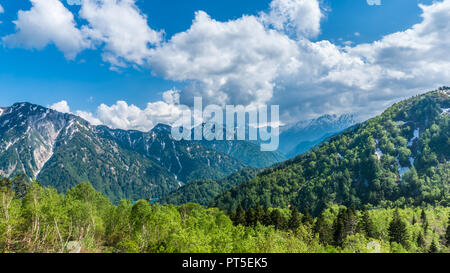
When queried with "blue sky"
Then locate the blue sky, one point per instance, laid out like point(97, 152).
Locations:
point(46, 76)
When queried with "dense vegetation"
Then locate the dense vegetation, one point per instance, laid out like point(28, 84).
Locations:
point(248, 152)
point(38, 219)
point(398, 158)
point(203, 191)
point(62, 150)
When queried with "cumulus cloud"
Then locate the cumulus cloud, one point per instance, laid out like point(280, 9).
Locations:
point(1, 9)
point(252, 60)
point(47, 22)
point(121, 28)
point(89, 117)
point(300, 17)
point(368, 77)
point(226, 62)
point(122, 115)
point(61, 106)
point(244, 62)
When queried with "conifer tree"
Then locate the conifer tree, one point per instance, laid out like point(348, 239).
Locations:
point(266, 218)
point(240, 218)
point(339, 228)
point(277, 219)
point(259, 214)
point(367, 225)
point(420, 240)
point(324, 230)
point(294, 221)
point(424, 219)
point(447, 234)
point(397, 230)
point(307, 218)
point(250, 217)
point(433, 247)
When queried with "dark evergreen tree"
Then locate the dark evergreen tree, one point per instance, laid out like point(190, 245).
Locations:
point(250, 217)
point(447, 234)
point(324, 230)
point(307, 218)
point(277, 219)
point(433, 247)
point(339, 228)
point(240, 217)
point(424, 219)
point(267, 219)
point(367, 226)
point(295, 219)
point(420, 240)
point(259, 214)
point(397, 230)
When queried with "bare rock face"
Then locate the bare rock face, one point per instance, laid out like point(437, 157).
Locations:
point(28, 135)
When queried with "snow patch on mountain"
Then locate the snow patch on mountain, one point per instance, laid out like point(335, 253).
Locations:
point(379, 153)
point(416, 136)
point(401, 170)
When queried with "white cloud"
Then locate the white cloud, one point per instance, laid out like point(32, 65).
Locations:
point(89, 117)
point(121, 115)
point(47, 22)
point(263, 59)
point(61, 106)
point(1, 9)
point(226, 62)
point(367, 78)
point(300, 17)
point(121, 27)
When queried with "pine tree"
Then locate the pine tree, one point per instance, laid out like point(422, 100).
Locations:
point(240, 218)
point(339, 228)
point(424, 219)
point(420, 240)
point(294, 221)
point(259, 214)
point(433, 247)
point(367, 225)
point(324, 231)
point(423, 216)
point(307, 218)
point(447, 234)
point(397, 230)
point(250, 217)
point(266, 219)
point(277, 219)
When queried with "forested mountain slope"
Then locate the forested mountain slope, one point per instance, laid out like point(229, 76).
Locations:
point(205, 190)
point(401, 156)
point(62, 150)
point(185, 160)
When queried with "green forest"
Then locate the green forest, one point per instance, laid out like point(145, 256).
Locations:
point(398, 158)
point(39, 219)
point(380, 186)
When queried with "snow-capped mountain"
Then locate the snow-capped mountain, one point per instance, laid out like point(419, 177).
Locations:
point(306, 134)
point(63, 150)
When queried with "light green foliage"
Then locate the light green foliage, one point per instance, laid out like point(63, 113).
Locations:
point(45, 221)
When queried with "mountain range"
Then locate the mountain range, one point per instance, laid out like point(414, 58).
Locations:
point(62, 150)
point(398, 158)
point(304, 135)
